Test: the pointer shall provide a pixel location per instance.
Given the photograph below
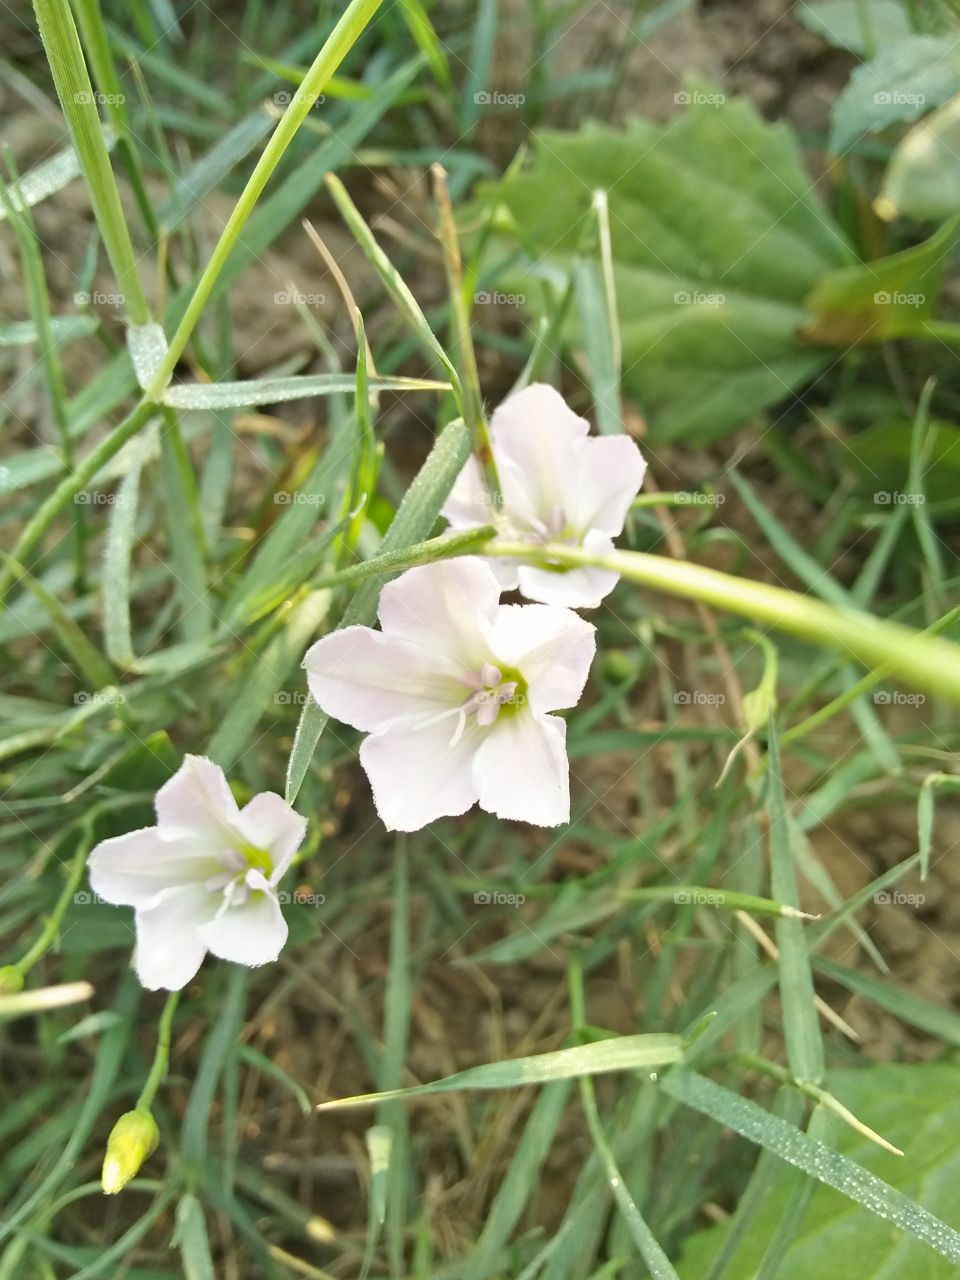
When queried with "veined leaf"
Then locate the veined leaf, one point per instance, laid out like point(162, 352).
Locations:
point(916, 1107)
point(716, 240)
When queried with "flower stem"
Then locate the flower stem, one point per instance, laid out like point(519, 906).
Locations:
point(161, 1056)
point(924, 661)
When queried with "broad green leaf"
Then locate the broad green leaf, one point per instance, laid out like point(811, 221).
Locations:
point(923, 176)
point(917, 1107)
point(881, 456)
point(717, 238)
point(622, 1053)
point(906, 78)
point(862, 26)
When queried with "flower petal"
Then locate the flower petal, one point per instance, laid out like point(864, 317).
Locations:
point(468, 504)
point(535, 435)
point(420, 774)
point(197, 800)
point(552, 648)
point(269, 823)
point(368, 679)
point(522, 771)
point(251, 933)
point(609, 471)
point(134, 869)
point(169, 949)
point(446, 608)
point(573, 589)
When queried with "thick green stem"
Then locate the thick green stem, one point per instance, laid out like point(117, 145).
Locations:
point(923, 661)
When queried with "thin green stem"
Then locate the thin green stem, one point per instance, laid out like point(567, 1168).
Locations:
point(338, 44)
point(442, 548)
point(71, 485)
point(161, 1055)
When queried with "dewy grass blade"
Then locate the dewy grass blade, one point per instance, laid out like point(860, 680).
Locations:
point(79, 104)
point(801, 1026)
point(341, 40)
point(818, 1161)
point(621, 1053)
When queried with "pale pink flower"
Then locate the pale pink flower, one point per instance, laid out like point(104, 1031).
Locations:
point(455, 692)
point(204, 878)
point(558, 484)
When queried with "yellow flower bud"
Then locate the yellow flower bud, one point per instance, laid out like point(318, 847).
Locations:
point(11, 980)
point(132, 1139)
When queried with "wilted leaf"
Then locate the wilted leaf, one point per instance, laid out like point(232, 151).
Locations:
point(905, 79)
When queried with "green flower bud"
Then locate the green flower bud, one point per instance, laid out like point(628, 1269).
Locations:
point(132, 1139)
point(11, 980)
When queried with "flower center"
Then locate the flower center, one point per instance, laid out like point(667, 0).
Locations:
point(243, 865)
point(492, 692)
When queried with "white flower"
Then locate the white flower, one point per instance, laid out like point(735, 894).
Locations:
point(558, 484)
point(455, 692)
point(204, 878)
